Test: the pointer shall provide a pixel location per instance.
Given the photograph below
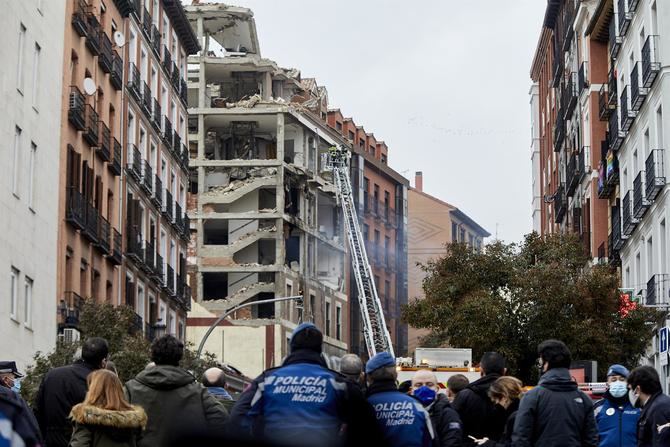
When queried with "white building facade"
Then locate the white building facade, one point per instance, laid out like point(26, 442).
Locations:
point(30, 127)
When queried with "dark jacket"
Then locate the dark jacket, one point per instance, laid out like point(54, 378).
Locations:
point(655, 415)
point(97, 427)
point(356, 417)
point(60, 390)
point(173, 400)
point(616, 420)
point(555, 414)
point(14, 410)
point(506, 438)
point(480, 417)
point(446, 423)
point(222, 396)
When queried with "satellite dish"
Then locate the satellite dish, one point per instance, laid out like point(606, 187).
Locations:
point(89, 86)
point(119, 39)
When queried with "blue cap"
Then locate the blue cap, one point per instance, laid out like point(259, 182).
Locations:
point(379, 361)
point(617, 370)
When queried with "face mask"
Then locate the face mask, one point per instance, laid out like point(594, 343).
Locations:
point(17, 386)
point(425, 395)
point(633, 398)
point(618, 389)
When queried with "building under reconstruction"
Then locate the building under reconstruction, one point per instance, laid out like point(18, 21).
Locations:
point(265, 212)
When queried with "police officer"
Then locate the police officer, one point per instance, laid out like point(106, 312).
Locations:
point(615, 416)
point(303, 403)
point(403, 419)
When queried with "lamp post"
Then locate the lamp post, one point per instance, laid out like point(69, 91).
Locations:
point(218, 321)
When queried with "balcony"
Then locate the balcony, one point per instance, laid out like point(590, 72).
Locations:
point(573, 174)
point(93, 36)
point(658, 291)
point(90, 230)
point(625, 17)
point(603, 103)
point(167, 60)
point(650, 63)
point(134, 249)
point(167, 132)
point(176, 76)
point(615, 135)
point(186, 228)
point(116, 75)
point(602, 254)
point(91, 127)
point(559, 132)
point(157, 197)
point(169, 280)
point(80, 17)
point(608, 174)
point(638, 93)
point(70, 309)
point(134, 82)
point(618, 238)
point(560, 204)
point(157, 273)
point(632, 5)
point(654, 174)
point(146, 100)
point(177, 218)
point(176, 145)
point(615, 40)
point(156, 40)
point(156, 115)
point(75, 209)
point(627, 114)
point(583, 82)
point(584, 162)
point(184, 157)
point(640, 202)
point(146, 23)
point(117, 252)
point(76, 114)
point(147, 177)
point(612, 88)
point(134, 165)
point(105, 142)
point(629, 220)
point(571, 94)
point(168, 206)
point(103, 235)
point(149, 257)
point(105, 58)
point(183, 92)
point(115, 165)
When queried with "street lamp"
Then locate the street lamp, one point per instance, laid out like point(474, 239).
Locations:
point(218, 321)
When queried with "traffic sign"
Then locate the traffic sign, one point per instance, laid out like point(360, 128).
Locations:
point(663, 340)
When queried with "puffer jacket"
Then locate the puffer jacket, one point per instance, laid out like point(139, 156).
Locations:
point(481, 419)
point(555, 414)
point(173, 401)
point(97, 427)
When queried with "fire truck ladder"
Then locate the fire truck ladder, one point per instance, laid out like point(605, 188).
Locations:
point(376, 334)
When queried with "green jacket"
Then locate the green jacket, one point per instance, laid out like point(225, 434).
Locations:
point(97, 427)
point(173, 398)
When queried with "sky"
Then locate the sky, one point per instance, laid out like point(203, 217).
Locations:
point(443, 82)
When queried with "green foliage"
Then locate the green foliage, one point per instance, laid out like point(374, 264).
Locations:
point(510, 297)
point(62, 355)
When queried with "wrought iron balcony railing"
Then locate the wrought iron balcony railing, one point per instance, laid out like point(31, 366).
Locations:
point(627, 113)
point(75, 208)
point(117, 250)
point(76, 109)
point(654, 174)
point(105, 58)
point(157, 197)
point(629, 220)
point(115, 164)
point(638, 93)
point(116, 75)
point(615, 40)
point(147, 177)
point(91, 128)
point(640, 202)
point(651, 66)
point(93, 35)
point(658, 291)
point(134, 82)
point(134, 165)
point(560, 204)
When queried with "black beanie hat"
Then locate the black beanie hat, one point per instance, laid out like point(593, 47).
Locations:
point(306, 336)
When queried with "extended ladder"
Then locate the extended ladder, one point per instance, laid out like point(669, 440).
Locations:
point(376, 334)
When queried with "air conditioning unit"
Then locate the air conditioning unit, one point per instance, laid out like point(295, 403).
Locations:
point(71, 335)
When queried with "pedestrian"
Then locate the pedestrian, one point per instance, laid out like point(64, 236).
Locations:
point(456, 384)
point(215, 381)
point(64, 387)
point(111, 366)
point(171, 396)
point(653, 428)
point(505, 392)
point(446, 422)
point(482, 419)
point(105, 418)
point(616, 417)
point(304, 403)
point(17, 422)
point(402, 419)
point(555, 413)
point(351, 367)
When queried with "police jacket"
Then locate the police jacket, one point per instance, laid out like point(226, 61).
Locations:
point(403, 420)
point(617, 421)
point(306, 404)
point(555, 414)
point(481, 419)
point(446, 423)
point(17, 420)
point(653, 429)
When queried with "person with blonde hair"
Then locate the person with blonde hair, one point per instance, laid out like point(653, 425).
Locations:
point(105, 418)
point(505, 392)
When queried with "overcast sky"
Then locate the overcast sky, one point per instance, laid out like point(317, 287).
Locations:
point(443, 82)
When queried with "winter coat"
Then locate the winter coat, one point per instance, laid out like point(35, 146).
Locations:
point(617, 421)
point(173, 400)
point(653, 428)
point(17, 420)
point(446, 422)
point(481, 419)
point(506, 438)
point(222, 396)
point(281, 417)
point(60, 390)
point(555, 414)
point(97, 427)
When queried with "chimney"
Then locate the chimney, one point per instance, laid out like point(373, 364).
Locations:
point(418, 181)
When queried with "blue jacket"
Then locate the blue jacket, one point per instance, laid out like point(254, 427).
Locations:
point(617, 422)
point(402, 419)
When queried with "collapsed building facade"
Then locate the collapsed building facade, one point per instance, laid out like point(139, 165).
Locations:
point(265, 212)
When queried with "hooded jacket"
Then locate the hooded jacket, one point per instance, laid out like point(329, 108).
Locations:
point(654, 424)
point(481, 419)
point(173, 398)
point(17, 419)
point(617, 421)
point(446, 422)
point(555, 414)
point(97, 427)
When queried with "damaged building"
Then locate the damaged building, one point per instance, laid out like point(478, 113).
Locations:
point(265, 211)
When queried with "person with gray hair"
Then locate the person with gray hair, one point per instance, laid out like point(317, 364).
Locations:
point(351, 367)
point(215, 381)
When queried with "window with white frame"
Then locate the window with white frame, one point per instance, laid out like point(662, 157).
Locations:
point(19, 62)
point(36, 76)
point(140, 300)
point(172, 322)
point(28, 302)
point(32, 160)
point(338, 322)
point(132, 48)
point(14, 293)
point(16, 161)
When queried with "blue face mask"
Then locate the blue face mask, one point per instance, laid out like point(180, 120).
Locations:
point(618, 389)
point(425, 395)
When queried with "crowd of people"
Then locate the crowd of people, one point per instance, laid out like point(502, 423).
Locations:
point(304, 403)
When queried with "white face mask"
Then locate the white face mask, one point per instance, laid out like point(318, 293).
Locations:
point(633, 398)
point(618, 389)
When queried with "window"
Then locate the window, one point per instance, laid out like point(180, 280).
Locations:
point(40, 6)
point(16, 161)
point(384, 160)
point(338, 125)
point(36, 75)
point(351, 136)
point(361, 143)
point(312, 305)
point(140, 300)
point(14, 294)
point(32, 159)
point(327, 324)
point(28, 303)
point(19, 62)
point(338, 322)
point(454, 232)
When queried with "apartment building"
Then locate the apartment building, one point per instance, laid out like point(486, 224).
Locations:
point(381, 198)
point(432, 224)
point(123, 232)
point(266, 219)
point(29, 216)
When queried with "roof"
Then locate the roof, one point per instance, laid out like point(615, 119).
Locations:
point(598, 28)
point(457, 213)
point(551, 14)
point(540, 53)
